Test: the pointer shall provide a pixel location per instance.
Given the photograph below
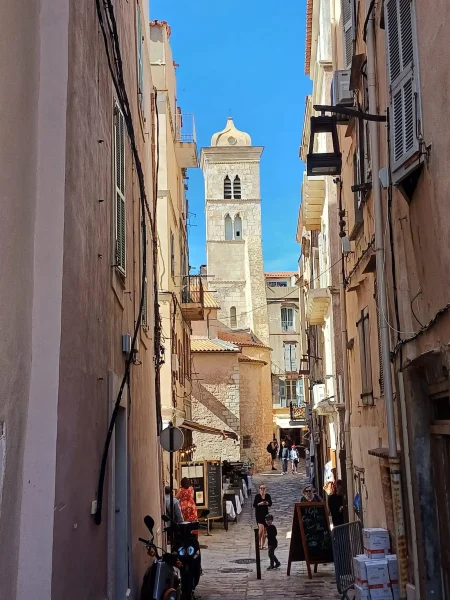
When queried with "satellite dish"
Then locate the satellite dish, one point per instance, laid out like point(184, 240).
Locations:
point(171, 439)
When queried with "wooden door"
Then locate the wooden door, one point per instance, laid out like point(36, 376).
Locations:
point(440, 444)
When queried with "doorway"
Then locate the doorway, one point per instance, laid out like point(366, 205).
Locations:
point(121, 506)
point(440, 452)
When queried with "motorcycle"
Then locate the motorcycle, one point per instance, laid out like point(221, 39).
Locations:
point(187, 549)
point(162, 579)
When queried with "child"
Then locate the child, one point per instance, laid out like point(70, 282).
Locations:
point(293, 455)
point(272, 543)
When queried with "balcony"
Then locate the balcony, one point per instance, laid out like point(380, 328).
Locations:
point(186, 141)
point(319, 301)
point(192, 298)
point(313, 198)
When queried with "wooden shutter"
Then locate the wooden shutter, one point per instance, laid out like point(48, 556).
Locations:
point(140, 59)
point(380, 356)
point(348, 25)
point(287, 358)
point(119, 156)
point(402, 52)
point(300, 392)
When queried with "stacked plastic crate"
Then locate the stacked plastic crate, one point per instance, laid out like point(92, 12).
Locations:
point(376, 571)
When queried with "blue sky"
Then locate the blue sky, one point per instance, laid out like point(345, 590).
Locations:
point(247, 57)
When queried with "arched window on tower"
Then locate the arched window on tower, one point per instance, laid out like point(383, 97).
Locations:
point(228, 228)
point(227, 188)
point(233, 318)
point(237, 227)
point(236, 188)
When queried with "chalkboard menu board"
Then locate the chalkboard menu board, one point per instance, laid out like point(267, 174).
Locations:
point(214, 480)
point(195, 471)
point(310, 537)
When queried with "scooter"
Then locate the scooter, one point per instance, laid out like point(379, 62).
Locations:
point(187, 549)
point(162, 579)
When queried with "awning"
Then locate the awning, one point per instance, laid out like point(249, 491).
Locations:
point(194, 426)
point(288, 424)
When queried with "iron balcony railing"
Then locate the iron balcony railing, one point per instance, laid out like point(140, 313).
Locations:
point(192, 291)
point(185, 128)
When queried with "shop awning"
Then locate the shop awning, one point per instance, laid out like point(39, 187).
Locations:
point(288, 424)
point(194, 426)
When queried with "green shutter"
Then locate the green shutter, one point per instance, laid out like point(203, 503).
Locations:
point(120, 219)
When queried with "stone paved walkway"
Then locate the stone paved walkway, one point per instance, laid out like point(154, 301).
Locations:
point(224, 578)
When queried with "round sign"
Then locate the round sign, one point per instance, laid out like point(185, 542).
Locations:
point(171, 439)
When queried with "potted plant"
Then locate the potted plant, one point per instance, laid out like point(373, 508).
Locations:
point(250, 465)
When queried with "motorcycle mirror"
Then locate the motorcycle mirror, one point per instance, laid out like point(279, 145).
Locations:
point(165, 518)
point(150, 523)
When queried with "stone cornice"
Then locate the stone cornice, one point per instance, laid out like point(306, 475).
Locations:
point(230, 154)
point(233, 201)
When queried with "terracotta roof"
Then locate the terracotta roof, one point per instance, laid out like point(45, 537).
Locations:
point(276, 274)
point(309, 12)
point(250, 359)
point(207, 345)
point(241, 338)
point(209, 301)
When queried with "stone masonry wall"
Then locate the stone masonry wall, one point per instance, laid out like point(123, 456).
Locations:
point(216, 403)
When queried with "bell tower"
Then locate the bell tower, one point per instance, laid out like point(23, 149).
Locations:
point(231, 169)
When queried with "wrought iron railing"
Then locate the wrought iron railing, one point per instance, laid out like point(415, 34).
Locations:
point(192, 290)
point(185, 128)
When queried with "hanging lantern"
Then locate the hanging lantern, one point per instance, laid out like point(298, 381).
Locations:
point(324, 163)
point(304, 365)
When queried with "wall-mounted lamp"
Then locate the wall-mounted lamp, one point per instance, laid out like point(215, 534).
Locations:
point(324, 163)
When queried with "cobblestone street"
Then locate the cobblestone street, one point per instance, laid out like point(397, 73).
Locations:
point(223, 577)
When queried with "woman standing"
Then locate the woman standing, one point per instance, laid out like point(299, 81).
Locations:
point(187, 504)
point(261, 504)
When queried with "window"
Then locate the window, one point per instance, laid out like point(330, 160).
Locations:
point(359, 222)
point(404, 111)
point(119, 161)
point(140, 59)
point(237, 188)
point(172, 254)
point(227, 188)
point(364, 353)
point(277, 283)
point(290, 361)
point(287, 318)
point(233, 319)
point(348, 25)
point(228, 228)
point(300, 391)
point(237, 227)
point(282, 393)
point(291, 390)
point(247, 441)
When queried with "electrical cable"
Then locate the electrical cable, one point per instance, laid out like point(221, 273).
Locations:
point(118, 81)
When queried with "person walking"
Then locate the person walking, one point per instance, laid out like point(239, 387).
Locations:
point(272, 543)
point(185, 496)
point(293, 455)
point(272, 449)
point(284, 456)
point(177, 514)
point(309, 495)
point(261, 504)
point(336, 505)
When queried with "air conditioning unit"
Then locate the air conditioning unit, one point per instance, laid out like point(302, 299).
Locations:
point(175, 363)
point(341, 95)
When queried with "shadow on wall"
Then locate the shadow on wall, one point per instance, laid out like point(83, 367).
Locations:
point(215, 406)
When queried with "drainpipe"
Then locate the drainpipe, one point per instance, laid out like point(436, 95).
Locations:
point(344, 342)
point(394, 460)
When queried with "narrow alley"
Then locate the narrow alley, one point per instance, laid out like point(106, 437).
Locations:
point(225, 576)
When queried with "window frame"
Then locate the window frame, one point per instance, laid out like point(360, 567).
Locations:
point(172, 254)
point(227, 193)
point(290, 324)
point(237, 188)
point(363, 327)
point(292, 366)
point(233, 317)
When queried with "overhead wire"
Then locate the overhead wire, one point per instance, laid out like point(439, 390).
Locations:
point(108, 26)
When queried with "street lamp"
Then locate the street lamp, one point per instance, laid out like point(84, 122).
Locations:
point(324, 163)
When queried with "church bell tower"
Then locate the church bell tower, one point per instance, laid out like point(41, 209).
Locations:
point(231, 169)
